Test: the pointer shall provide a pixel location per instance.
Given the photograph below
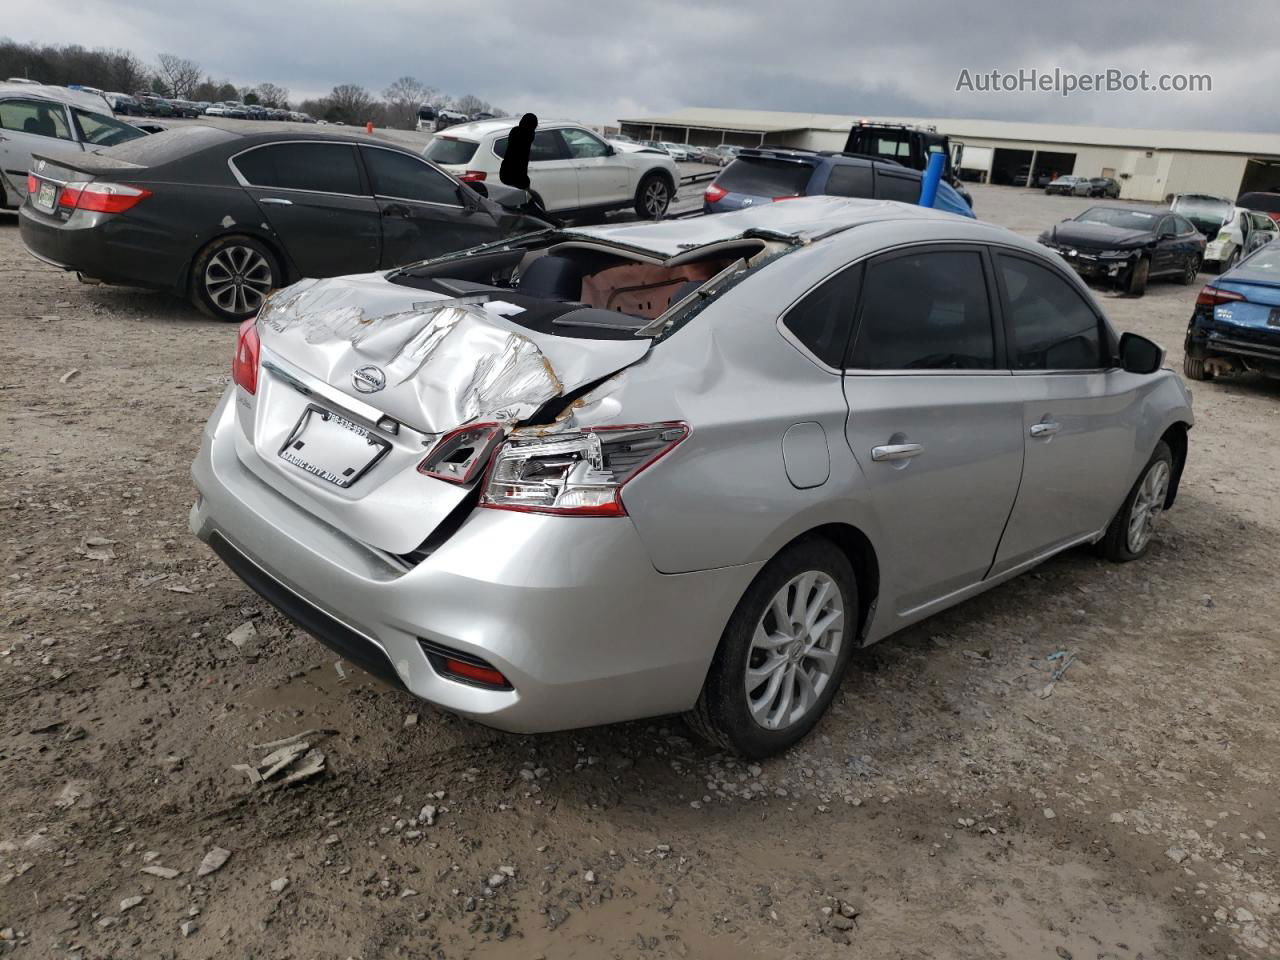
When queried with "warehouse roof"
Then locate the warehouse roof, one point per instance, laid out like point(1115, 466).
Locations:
point(774, 121)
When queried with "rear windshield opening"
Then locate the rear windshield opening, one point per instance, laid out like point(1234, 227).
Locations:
point(450, 150)
point(765, 177)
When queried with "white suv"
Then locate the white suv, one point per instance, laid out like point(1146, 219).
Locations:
point(571, 170)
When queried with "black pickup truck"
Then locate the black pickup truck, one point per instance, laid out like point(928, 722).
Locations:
point(910, 146)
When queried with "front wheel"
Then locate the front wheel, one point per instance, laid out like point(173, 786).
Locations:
point(653, 196)
point(1130, 532)
point(1137, 283)
point(232, 276)
point(783, 653)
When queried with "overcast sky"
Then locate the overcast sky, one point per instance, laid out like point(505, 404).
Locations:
point(598, 60)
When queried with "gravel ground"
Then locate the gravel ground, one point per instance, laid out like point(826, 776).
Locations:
point(953, 805)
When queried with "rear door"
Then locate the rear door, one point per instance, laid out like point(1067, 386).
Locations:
point(1079, 412)
point(935, 420)
point(421, 209)
point(27, 126)
point(314, 196)
point(553, 174)
point(1165, 258)
point(602, 177)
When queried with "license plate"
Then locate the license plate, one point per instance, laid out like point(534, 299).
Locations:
point(332, 448)
point(44, 196)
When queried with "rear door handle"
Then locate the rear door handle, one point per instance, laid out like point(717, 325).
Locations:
point(1046, 428)
point(896, 451)
point(278, 201)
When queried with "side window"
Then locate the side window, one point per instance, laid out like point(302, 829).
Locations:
point(546, 146)
point(1184, 225)
point(321, 167)
point(582, 145)
point(37, 117)
point(925, 311)
point(823, 320)
point(850, 180)
point(104, 131)
point(408, 178)
point(896, 186)
point(1053, 327)
point(1166, 228)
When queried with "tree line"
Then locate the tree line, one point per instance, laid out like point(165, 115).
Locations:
point(122, 71)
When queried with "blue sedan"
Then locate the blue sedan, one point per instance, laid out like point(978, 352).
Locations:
point(1236, 323)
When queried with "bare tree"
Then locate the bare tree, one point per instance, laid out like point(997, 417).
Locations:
point(270, 95)
point(350, 104)
point(179, 76)
point(470, 104)
point(404, 97)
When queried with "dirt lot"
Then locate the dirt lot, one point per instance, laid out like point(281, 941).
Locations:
point(953, 805)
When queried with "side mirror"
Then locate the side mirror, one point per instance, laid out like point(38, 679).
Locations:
point(1140, 355)
point(475, 186)
point(608, 150)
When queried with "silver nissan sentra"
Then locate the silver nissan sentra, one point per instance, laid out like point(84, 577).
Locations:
point(598, 474)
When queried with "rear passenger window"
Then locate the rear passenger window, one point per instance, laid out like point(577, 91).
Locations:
point(323, 167)
point(896, 186)
point(546, 145)
point(850, 180)
point(38, 117)
point(1053, 327)
point(407, 178)
point(823, 320)
point(925, 311)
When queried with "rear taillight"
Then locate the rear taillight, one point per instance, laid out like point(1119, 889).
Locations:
point(576, 474)
point(100, 197)
point(1211, 296)
point(32, 183)
point(244, 365)
point(460, 455)
point(471, 176)
point(714, 193)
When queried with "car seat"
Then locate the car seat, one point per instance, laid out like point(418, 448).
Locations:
point(552, 278)
point(40, 125)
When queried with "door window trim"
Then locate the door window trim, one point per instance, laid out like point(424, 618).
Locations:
point(422, 160)
point(1105, 339)
point(1000, 348)
point(364, 179)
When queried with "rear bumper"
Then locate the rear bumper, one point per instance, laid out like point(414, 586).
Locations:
point(570, 610)
point(1213, 337)
point(104, 247)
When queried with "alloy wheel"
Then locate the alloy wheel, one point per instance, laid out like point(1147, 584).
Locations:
point(237, 279)
point(1147, 506)
point(656, 199)
point(1192, 268)
point(794, 650)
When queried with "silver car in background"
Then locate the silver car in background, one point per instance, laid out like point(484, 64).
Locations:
point(614, 472)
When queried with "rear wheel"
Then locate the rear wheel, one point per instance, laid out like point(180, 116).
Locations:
point(1130, 532)
point(1189, 270)
point(653, 197)
point(1195, 368)
point(1137, 283)
point(232, 276)
point(783, 653)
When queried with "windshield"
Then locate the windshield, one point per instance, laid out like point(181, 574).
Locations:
point(1267, 259)
point(1123, 219)
point(765, 177)
point(450, 150)
point(1203, 211)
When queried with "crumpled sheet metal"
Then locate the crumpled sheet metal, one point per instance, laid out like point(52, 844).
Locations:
point(446, 361)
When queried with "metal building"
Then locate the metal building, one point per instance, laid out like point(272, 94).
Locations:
point(1150, 164)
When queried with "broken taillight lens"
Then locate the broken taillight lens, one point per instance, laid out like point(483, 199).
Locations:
point(1211, 296)
point(244, 365)
point(472, 176)
point(460, 455)
point(714, 193)
point(101, 197)
point(576, 474)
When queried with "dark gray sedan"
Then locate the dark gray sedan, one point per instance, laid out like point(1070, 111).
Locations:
point(224, 217)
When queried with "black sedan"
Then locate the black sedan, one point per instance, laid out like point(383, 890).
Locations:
point(225, 217)
point(1126, 247)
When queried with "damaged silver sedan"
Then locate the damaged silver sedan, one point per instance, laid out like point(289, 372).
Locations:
point(683, 467)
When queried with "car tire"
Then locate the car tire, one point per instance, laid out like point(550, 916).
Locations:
point(1231, 262)
point(1190, 270)
point(653, 197)
point(214, 273)
point(1129, 535)
point(811, 572)
point(1196, 368)
point(1136, 285)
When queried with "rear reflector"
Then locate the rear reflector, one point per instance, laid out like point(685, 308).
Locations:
point(487, 676)
point(244, 365)
point(714, 193)
point(100, 197)
point(1211, 296)
point(471, 176)
point(463, 667)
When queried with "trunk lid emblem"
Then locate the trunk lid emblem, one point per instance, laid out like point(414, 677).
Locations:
point(369, 379)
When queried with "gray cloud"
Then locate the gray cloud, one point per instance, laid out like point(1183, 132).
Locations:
point(600, 60)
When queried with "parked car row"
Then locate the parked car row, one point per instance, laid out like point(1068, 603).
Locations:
point(1084, 187)
point(143, 104)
